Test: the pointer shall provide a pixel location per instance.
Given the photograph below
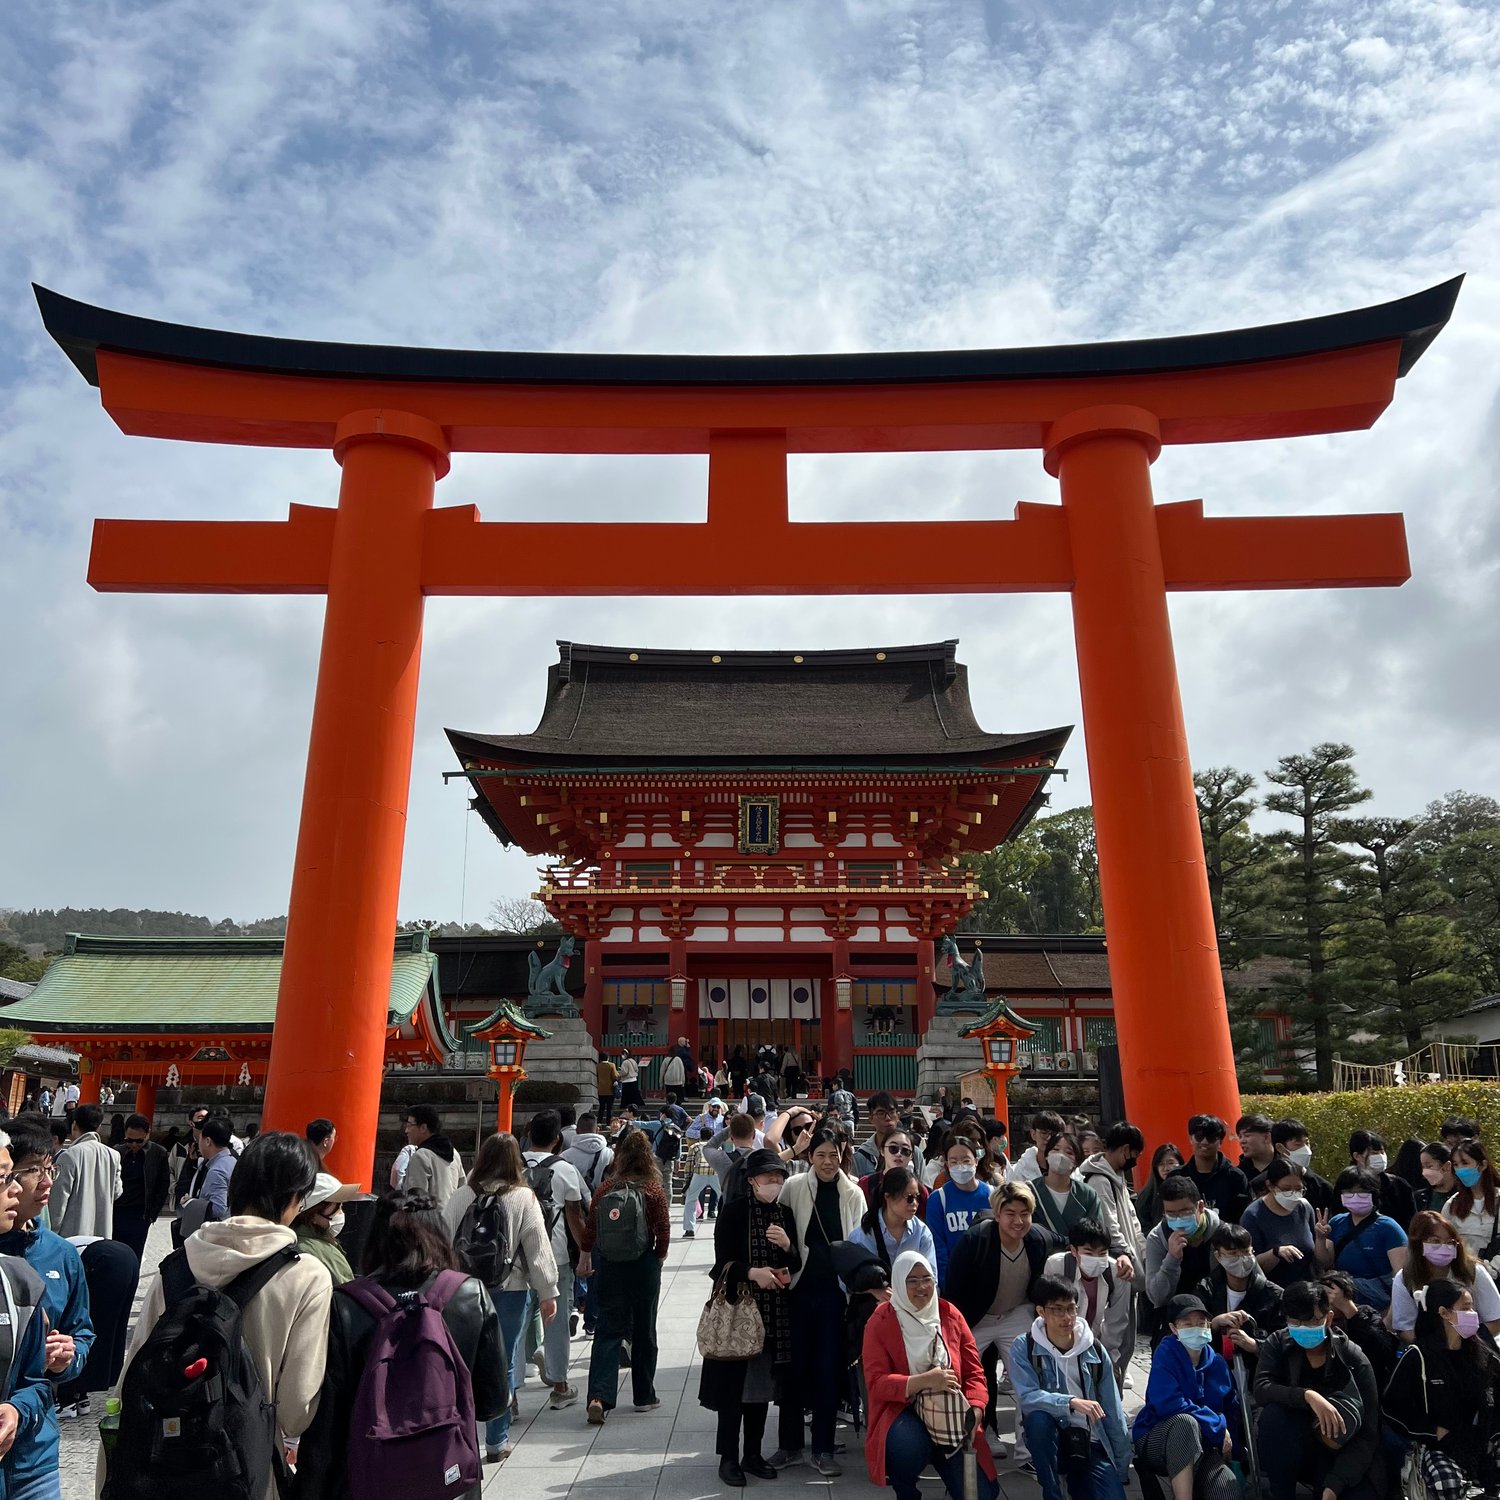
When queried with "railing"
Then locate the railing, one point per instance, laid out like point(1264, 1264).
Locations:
point(907, 877)
point(1431, 1064)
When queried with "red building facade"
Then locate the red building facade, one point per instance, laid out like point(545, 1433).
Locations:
point(760, 846)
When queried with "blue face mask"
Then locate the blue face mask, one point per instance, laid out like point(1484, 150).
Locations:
point(1195, 1338)
point(1309, 1338)
point(1469, 1176)
point(1187, 1225)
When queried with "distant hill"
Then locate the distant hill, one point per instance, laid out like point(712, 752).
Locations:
point(47, 928)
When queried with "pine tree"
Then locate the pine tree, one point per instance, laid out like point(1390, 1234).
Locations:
point(1402, 951)
point(1310, 893)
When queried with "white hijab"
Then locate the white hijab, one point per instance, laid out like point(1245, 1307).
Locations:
point(918, 1324)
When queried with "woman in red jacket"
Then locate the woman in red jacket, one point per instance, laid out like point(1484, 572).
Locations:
point(915, 1343)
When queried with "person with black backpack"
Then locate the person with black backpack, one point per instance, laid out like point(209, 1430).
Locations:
point(414, 1360)
point(501, 1239)
point(230, 1346)
point(628, 1232)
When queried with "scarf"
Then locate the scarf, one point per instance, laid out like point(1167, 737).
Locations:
point(919, 1325)
point(775, 1307)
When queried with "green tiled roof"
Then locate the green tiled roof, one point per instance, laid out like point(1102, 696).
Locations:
point(111, 985)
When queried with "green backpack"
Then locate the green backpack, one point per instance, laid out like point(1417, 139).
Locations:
point(622, 1233)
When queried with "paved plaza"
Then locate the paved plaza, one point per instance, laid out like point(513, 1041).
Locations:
point(662, 1455)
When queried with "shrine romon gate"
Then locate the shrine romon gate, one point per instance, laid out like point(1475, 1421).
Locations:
point(392, 416)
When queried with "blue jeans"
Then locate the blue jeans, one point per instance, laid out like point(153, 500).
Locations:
point(511, 1307)
point(908, 1450)
point(1098, 1479)
point(39, 1487)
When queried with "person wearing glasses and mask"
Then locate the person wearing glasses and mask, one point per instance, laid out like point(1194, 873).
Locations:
point(1395, 1198)
point(145, 1185)
point(893, 1224)
point(896, 1150)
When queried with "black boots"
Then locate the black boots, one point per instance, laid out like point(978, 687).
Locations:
point(731, 1474)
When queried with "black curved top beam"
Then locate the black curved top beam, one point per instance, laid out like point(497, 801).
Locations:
point(82, 331)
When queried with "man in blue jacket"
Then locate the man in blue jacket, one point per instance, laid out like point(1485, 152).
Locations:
point(65, 1300)
point(25, 1388)
point(1069, 1402)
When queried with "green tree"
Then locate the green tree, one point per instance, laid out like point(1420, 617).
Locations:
point(1044, 880)
point(1310, 892)
point(1469, 869)
point(1402, 951)
point(16, 964)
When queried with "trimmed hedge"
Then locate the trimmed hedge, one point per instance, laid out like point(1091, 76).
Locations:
point(1397, 1114)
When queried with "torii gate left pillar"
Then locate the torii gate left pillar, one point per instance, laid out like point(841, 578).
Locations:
point(1099, 414)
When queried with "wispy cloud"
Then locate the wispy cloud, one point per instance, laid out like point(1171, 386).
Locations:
point(735, 178)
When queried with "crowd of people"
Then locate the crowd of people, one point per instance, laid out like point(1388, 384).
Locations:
point(1338, 1335)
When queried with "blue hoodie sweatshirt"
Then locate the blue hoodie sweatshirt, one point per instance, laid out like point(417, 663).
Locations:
point(27, 1386)
point(65, 1300)
point(950, 1211)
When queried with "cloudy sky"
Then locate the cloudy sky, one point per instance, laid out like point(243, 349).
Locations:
point(737, 178)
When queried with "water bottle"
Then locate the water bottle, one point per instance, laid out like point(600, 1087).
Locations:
point(109, 1425)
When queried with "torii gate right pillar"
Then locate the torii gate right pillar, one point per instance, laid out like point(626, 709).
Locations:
point(1163, 950)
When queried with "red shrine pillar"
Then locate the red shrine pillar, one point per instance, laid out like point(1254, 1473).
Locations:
point(926, 996)
point(593, 989)
point(328, 1048)
point(1175, 1049)
point(145, 1100)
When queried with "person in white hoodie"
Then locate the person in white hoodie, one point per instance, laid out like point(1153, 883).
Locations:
point(1068, 1401)
point(286, 1326)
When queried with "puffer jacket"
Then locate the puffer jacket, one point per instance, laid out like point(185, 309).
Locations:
point(322, 1460)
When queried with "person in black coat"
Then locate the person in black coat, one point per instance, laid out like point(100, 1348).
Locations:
point(1396, 1199)
point(407, 1249)
point(1221, 1184)
point(756, 1251)
point(1237, 1278)
point(145, 1185)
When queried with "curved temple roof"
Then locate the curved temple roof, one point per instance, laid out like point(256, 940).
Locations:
point(82, 330)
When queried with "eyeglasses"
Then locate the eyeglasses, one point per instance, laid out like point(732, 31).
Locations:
point(48, 1171)
point(920, 1281)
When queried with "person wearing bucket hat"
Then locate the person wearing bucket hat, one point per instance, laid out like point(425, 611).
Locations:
point(318, 1225)
point(1190, 1409)
point(755, 1250)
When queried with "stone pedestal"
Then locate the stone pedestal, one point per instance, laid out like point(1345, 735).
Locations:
point(944, 1056)
point(567, 1056)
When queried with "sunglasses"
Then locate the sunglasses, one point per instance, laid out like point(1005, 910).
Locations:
point(898, 1150)
point(912, 1198)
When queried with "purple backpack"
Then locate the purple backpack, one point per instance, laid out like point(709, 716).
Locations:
point(411, 1432)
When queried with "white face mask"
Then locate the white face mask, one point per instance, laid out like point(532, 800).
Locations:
point(1289, 1200)
point(1302, 1156)
point(1238, 1265)
point(1060, 1163)
point(1093, 1265)
point(963, 1174)
point(768, 1192)
point(1377, 1162)
point(336, 1224)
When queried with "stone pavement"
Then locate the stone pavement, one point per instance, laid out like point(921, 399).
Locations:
point(662, 1455)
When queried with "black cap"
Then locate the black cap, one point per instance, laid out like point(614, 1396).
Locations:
point(762, 1160)
point(755, 1105)
point(1184, 1303)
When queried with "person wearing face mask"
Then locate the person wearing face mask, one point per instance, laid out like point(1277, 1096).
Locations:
point(1281, 1224)
point(1438, 1182)
point(1061, 1198)
point(1366, 1244)
point(958, 1203)
point(1395, 1198)
point(1105, 1302)
point(1177, 1254)
point(317, 1226)
point(893, 1225)
point(1443, 1394)
point(1435, 1252)
point(1474, 1208)
point(1319, 1407)
point(1032, 1162)
point(1068, 1400)
point(1220, 1183)
point(1190, 1409)
point(756, 1251)
point(1108, 1172)
point(826, 1207)
point(1291, 1140)
point(1241, 1302)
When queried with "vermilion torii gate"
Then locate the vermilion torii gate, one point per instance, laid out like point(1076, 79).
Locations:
point(391, 417)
